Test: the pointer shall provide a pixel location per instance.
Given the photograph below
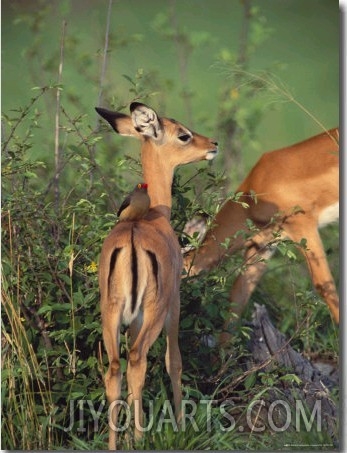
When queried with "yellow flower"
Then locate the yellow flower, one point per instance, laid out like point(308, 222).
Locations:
point(92, 268)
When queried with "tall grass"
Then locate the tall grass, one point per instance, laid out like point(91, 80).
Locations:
point(26, 396)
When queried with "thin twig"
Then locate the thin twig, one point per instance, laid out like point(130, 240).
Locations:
point(101, 83)
point(183, 51)
point(274, 87)
point(38, 323)
point(242, 58)
point(104, 59)
point(24, 113)
point(57, 120)
point(96, 166)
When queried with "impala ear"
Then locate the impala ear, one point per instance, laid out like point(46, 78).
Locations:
point(146, 121)
point(120, 122)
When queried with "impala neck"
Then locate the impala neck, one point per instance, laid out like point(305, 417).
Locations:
point(158, 175)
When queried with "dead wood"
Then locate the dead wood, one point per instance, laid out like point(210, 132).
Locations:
point(268, 343)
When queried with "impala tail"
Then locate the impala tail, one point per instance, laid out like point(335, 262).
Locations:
point(132, 274)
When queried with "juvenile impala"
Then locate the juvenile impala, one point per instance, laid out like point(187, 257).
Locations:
point(297, 185)
point(141, 263)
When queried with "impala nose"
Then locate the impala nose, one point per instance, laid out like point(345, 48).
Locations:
point(215, 143)
point(212, 154)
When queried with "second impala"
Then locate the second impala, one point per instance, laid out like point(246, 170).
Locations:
point(298, 186)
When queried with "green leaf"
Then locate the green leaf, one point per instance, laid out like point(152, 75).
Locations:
point(250, 380)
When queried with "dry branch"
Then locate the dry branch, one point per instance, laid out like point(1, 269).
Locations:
point(267, 342)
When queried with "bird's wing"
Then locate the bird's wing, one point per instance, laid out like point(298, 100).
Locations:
point(124, 205)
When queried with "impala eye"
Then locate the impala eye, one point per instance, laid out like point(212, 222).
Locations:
point(184, 137)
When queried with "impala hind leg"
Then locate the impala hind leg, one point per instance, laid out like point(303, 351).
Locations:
point(317, 264)
point(113, 377)
point(135, 328)
point(137, 364)
point(173, 359)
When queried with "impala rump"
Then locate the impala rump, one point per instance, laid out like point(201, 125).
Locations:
point(133, 275)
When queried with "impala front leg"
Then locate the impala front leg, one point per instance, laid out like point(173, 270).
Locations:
point(256, 256)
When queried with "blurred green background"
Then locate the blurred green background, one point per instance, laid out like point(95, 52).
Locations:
point(185, 52)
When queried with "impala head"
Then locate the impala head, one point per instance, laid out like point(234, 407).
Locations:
point(175, 142)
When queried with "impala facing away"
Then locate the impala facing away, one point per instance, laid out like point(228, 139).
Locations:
point(141, 263)
point(299, 187)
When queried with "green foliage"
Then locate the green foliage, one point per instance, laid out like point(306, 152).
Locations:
point(50, 319)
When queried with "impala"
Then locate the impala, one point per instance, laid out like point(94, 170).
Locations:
point(297, 192)
point(141, 263)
